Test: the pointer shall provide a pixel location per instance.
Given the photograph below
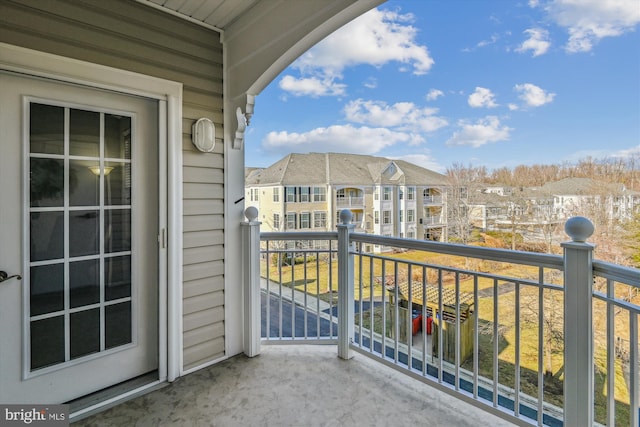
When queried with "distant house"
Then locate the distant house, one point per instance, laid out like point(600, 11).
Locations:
point(387, 197)
point(536, 211)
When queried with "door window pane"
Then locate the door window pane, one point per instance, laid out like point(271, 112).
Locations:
point(84, 232)
point(47, 289)
point(84, 182)
point(118, 184)
point(117, 277)
point(46, 129)
point(47, 342)
point(117, 137)
point(84, 133)
point(46, 182)
point(84, 282)
point(47, 235)
point(117, 228)
point(117, 319)
point(84, 332)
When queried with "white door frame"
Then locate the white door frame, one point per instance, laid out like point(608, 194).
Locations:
point(169, 96)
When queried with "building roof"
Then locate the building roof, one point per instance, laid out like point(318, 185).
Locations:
point(342, 169)
point(580, 186)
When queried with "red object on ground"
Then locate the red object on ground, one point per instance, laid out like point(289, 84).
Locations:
point(417, 324)
point(429, 325)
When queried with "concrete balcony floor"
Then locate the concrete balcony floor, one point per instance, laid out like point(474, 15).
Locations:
point(295, 385)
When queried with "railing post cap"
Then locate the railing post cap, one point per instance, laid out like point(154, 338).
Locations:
point(345, 216)
point(579, 228)
point(251, 213)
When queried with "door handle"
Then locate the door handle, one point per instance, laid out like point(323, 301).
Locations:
point(4, 276)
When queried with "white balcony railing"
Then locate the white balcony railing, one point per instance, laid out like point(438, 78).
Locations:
point(349, 202)
point(517, 334)
point(432, 200)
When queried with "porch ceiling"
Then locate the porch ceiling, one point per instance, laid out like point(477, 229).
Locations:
point(214, 13)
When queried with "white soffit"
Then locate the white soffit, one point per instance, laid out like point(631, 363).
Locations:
point(215, 14)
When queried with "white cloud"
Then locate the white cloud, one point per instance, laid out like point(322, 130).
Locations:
point(532, 95)
point(337, 138)
point(424, 160)
point(375, 38)
point(402, 115)
point(482, 97)
point(371, 83)
point(589, 21)
point(434, 94)
point(482, 132)
point(494, 38)
point(538, 42)
point(512, 107)
point(633, 152)
point(311, 86)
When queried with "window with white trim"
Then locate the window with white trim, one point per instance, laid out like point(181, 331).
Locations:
point(276, 221)
point(386, 217)
point(386, 193)
point(376, 217)
point(304, 194)
point(319, 194)
point(276, 194)
point(305, 220)
point(290, 194)
point(291, 220)
point(411, 215)
point(411, 193)
point(319, 220)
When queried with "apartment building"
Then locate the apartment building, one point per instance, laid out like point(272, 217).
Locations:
point(386, 197)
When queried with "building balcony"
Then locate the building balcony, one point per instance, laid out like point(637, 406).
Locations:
point(506, 338)
point(350, 202)
point(432, 221)
point(432, 200)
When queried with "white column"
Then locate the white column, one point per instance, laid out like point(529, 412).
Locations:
point(578, 325)
point(251, 282)
point(345, 286)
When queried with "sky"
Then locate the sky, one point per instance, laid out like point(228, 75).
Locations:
point(468, 82)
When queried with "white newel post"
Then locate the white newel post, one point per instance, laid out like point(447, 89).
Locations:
point(578, 324)
point(345, 286)
point(251, 282)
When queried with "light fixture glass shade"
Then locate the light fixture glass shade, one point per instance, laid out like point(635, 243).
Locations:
point(96, 170)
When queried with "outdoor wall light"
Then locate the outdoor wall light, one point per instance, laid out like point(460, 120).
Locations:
point(96, 170)
point(203, 135)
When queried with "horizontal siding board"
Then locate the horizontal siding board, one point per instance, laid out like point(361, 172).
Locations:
point(203, 302)
point(202, 353)
point(202, 223)
point(192, 190)
point(193, 288)
point(197, 239)
point(211, 160)
point(202, 175)
point(203, 207)
point(201, 318)
point(203, 254)
point(192, 112)
point(201, 335)
point(202, 270)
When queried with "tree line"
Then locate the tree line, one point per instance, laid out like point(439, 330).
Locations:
point(611, 170)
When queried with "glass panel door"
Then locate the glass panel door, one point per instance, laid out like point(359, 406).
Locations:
point(80, 234)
